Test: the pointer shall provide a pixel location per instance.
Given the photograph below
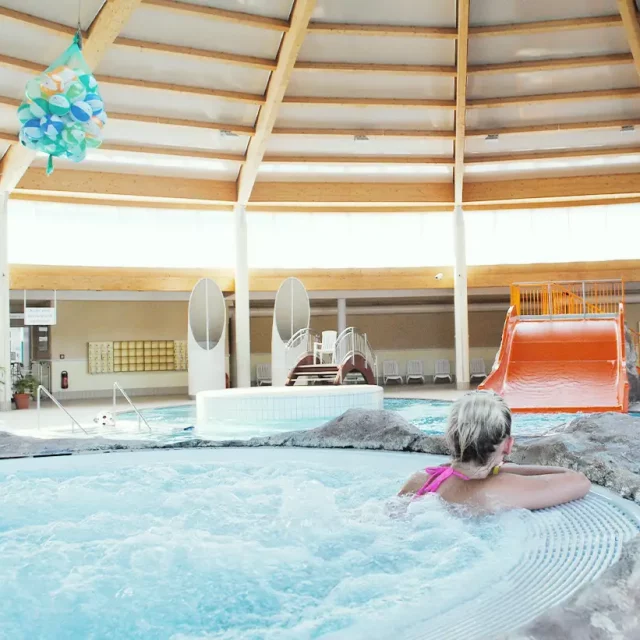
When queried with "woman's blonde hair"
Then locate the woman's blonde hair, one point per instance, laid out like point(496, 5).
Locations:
point(478, 423)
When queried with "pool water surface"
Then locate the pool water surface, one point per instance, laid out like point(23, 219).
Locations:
point(247, 544)
point(429, 416)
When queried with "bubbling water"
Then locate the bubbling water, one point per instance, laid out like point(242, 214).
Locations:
point(234, 551)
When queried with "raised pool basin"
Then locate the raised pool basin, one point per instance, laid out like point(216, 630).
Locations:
point(265, 544)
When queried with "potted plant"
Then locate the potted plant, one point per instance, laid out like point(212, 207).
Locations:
point(23, 390)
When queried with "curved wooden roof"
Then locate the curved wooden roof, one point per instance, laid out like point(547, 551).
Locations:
point(334, 103)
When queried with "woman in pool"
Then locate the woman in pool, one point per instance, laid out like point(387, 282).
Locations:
point(479, 436)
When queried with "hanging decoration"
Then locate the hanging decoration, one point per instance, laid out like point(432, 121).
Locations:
point(63, 114)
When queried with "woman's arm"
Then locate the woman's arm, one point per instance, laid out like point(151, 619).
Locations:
point(513, 491)
point(530, 470)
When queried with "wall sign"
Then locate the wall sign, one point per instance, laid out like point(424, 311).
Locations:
point(39, 315)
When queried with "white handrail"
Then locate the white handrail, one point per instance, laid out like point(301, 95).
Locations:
point(300, 345)
point(351, 343)
point(116, 388)
point(50, 396)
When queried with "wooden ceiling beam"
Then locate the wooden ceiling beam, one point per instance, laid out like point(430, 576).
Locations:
point(552, 64)
point(253, 62)
point(238, 129)
point(554, 127)
point(235, 17)
point(347, 194)
point(546, 26)
point(108, 185)
point(111, 18)
point(276, 89)
point(334, 28)
point(372, 102)
point(68, 278)
point(237, 96)
point(629, 17)
point(575, 96)
point(33, 21)
point(383, 133)
point(394, 69)
point(234, 96)
point(358, 159)
point(586, 152)
point(59, 278)
point(183, 152)
point(527, 190)
point(461, 98)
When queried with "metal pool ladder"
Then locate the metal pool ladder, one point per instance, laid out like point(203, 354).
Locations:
point(49, 395)
point(116, 388)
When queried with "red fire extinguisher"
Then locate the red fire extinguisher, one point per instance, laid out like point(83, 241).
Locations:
point(64, 380)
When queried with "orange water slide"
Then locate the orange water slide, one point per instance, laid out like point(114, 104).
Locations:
point(562, 364)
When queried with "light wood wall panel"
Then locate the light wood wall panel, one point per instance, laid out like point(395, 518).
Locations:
point(45, 277)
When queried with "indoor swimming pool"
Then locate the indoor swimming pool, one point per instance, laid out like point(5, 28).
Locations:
point(428, 415)
point(246, 544)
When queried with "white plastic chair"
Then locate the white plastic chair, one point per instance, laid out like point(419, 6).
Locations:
point(390, 371)
point(443, 371)
point(478, 369)
point(415, 371)
point(326, 347)
point(263, 374)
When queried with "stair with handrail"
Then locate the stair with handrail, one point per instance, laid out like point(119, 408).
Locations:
point(353, 355)
point(49, 395)
point(125, 395)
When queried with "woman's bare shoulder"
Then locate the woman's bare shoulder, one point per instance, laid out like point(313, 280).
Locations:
point(414, 483)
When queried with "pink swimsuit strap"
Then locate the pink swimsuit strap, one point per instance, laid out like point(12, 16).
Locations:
point(438, 475)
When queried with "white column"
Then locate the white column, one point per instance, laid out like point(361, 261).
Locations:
point(342, 315)
point(460, 300)
point(243, 334)
point(5, 355)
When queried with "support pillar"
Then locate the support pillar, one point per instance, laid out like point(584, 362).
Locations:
point(342, 315)
point(242, 333)
point(461, 311)
point(5, 354)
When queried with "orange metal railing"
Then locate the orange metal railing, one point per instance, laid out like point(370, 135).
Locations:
point(579, 298)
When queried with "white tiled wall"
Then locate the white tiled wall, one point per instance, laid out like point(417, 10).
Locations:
point(290, 407)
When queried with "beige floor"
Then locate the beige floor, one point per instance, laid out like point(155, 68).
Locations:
point(55, 422)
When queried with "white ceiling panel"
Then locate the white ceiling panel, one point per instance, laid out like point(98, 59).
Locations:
point(145, 133)
point(435, 13)
point(170, 27)
point(268, 8)
point(510, 11)
point(556, 140)
point(308, 172)
point(9, 122)
point(552, 168)
point(369, 85)
point(383, 49)
point(13, 82)
point(195, 72)
point(148, 164)
point(177, 105)
point(551, 112)
point(346, 145)
point(23, 41)
point(63, 11)
point(293, 115)
point(4, 147)
point(557, 81)
point(540, 46)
